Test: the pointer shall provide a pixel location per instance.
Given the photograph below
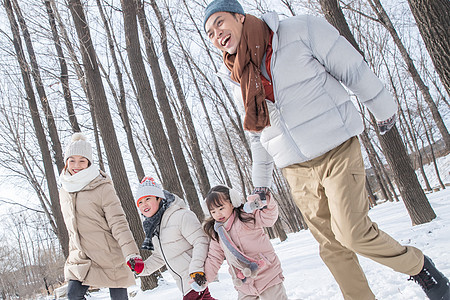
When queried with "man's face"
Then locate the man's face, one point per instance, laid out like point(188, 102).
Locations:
point(224, 30)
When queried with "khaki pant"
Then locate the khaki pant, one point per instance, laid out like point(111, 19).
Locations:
point(330, 192)
point(276, 292)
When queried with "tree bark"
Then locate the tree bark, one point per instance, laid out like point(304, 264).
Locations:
point(187, 59)
point(36, 74)
point(121, 100)
point(82, 79)
point(236, 125)
point(116, 164)
point(163, 155)
point(61, 232)
point(169, 120)
point(412, 194)
point(198, 163)
point(63, 66)
point(433, 20)
point(386, 22)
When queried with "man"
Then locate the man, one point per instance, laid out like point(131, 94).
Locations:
point(301, 118)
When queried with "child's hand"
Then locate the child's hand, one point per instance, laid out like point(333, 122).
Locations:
point(255, 201)
point(135, 263)
point(198, 281)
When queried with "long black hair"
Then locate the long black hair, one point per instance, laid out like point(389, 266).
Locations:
point(215, 198)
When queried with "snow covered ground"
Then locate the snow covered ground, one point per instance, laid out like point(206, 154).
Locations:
point(308, 278)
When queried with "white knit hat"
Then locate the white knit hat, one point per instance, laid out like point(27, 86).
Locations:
point(148, 187)
point(78, 146)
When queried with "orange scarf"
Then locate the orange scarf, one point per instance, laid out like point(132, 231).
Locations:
point(245, 69)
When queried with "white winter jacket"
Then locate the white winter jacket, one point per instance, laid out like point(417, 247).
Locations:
point(182, 245)
point(313, 112)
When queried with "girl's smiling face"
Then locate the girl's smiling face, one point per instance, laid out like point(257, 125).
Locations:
point(223, 212)
point(149, 205)
point(76, 163)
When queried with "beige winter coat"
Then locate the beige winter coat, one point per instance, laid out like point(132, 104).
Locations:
point(99, 236)
point(182, 245)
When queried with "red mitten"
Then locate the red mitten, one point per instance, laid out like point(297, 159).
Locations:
point(136, 263)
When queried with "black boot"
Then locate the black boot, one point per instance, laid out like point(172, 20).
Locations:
point(433, 282)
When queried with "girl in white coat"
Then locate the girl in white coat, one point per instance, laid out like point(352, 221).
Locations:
point(175, 236)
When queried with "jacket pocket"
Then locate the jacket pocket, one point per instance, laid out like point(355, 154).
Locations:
point(263, 262)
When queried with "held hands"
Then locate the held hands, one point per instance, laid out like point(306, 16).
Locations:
point(135, 263)
point(198, 281)
point(256, 201)
point(386, 125)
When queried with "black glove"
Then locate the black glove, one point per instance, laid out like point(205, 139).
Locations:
point(199, 278)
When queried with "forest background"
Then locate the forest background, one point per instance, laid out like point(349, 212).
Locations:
point(139, 79)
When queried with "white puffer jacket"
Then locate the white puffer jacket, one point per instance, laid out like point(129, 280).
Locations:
point(182, 245)
point(313, 112)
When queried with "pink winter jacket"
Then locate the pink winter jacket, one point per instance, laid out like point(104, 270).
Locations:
point(251, 239)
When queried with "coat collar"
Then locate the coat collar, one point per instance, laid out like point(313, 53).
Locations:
point(272, 20)
point(177, 204)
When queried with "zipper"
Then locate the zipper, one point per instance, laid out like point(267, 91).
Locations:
point(167, 262)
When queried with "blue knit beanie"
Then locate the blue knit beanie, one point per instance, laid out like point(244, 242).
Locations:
point(231, 6)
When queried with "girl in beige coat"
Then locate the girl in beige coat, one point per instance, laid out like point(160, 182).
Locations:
point(99, 236)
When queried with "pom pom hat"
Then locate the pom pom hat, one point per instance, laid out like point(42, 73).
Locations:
point(231, 6)
point(78, 146)
point(148, 187)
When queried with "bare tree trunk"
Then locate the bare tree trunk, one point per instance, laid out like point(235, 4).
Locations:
point(193, 140)
point(233, 153)
point(433, 21)
point(411, 131)
point(83, 82)
point(202, 101)
point(237, 125)
point(375, 166)
point(63, 66)
point(121, 100)
point(430, 143)
point(169, 120)
point(372, 199)
point(412, 194)
point(418, 152)
point(383, 18)
point(116, 164)
point(56, 144)
point(61, 232)
point(163, 155)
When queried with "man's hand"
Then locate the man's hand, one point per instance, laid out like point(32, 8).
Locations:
point(135, 263)
point(386, 125)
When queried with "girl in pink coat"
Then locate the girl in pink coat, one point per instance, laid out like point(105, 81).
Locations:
point(239, 238)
